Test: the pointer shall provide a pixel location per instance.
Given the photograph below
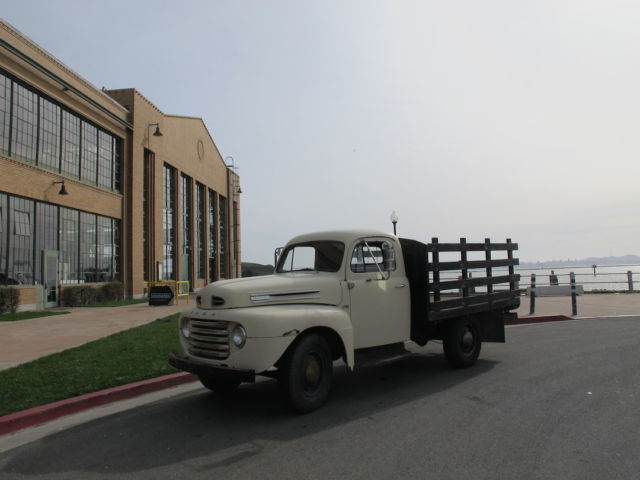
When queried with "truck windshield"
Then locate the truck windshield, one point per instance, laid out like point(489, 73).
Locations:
point(320, 256)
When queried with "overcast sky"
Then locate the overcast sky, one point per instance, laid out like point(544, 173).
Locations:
point(495, 118)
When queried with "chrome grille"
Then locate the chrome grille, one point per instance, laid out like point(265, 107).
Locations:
point(208, 338)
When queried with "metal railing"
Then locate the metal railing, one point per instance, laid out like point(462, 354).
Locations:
point(586, 279)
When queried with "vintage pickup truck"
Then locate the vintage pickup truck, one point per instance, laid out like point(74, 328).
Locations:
point(354, 295)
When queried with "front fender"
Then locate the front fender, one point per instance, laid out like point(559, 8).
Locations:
point(286, 322)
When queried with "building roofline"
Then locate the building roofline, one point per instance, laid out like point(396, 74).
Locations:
point(22, 37)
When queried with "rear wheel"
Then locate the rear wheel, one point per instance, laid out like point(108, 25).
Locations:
point(462, 342)
point(219, 384)
point(306, 373)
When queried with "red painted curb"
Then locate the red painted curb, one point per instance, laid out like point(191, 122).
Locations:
point(45, 413)
point(540, 319)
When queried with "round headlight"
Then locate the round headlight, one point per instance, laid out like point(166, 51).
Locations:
point(238, 336)
point(185, 332)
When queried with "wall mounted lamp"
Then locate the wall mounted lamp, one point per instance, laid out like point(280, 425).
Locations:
point(63, 189)
point(157, 133)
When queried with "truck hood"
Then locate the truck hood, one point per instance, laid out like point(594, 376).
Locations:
point(282, 288)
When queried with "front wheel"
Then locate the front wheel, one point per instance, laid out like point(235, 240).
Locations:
point(305, 376)
point(462, 342)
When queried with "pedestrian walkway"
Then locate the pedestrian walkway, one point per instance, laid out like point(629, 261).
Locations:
point(589, 305)
point(26, 340)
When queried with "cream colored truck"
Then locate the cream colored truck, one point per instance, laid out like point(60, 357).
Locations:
point(359, 296)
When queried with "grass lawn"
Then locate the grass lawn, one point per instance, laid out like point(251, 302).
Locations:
point(124, 357)
point(12, 317)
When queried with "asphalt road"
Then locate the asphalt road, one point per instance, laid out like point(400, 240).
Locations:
point(558, 401)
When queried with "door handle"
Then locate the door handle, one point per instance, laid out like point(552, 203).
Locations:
point(401, 285)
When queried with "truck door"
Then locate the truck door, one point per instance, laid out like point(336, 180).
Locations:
point(379, 291)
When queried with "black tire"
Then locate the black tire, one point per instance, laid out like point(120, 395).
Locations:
point(219, 384)
point(306, 373)
point(462, 342)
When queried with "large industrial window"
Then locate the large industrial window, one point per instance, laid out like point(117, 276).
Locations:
point(186, 197)
point(146, 213)
point(213, 237)
point(224, 237)
point(37, 130)
point(88, 243)
point(201, 229)
point(168, 222)
point(24, 124)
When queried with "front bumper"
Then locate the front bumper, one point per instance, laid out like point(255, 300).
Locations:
point(182, 362)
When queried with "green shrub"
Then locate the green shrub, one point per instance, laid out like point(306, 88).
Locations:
point(79, 295)
point(112, 291)
point(9, 299)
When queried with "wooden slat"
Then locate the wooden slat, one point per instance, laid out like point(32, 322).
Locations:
point(473, 299)
point(471, 282)
point(471, 264)
point(471, 247)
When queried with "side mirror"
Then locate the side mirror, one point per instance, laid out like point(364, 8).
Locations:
point(388, 257)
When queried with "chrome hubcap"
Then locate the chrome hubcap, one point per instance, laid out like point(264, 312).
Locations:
point(467, 339)
point(312, 372)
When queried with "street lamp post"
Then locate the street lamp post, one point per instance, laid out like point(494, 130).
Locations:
point(394, 220)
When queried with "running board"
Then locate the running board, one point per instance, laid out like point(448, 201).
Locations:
point(377, 356)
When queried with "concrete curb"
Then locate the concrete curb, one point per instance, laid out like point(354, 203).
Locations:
point(540, 319)
point(35, 416)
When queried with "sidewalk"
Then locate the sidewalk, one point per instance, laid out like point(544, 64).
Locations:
point(26, 340)
point(589, 305)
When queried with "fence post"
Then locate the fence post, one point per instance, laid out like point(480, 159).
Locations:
point(532, 297)
point(574, 304)
point(630, 280)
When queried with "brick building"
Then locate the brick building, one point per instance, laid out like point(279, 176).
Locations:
point(100, 185)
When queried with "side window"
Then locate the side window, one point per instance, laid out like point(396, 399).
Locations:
point(373, 256)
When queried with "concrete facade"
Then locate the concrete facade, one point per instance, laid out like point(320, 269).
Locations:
point(134, 199)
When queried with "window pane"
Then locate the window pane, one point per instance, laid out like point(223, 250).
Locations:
point(89, 160)
point(88, 247)
point(222, 205)
point(4, 228)
point(117, 145)
point(70, 144)
point(25, 124)
point(105, 250)
point(185, 207)
point(213, 237)
point(49, 149)
point(200, 218)
point(105, 159)
point(21, 241)
point(168, 216)
point(46, 234)
point(5, 114)
point(68, 245)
